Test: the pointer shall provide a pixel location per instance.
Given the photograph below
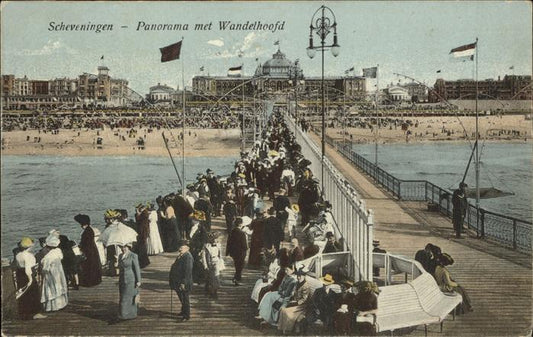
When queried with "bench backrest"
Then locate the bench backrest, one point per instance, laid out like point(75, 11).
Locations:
point(432, 299)
point(397, 298)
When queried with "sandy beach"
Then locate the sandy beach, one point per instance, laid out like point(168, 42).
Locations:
point(198, 142)
point(514, 128)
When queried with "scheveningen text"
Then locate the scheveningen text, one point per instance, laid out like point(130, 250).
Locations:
point(89, 26)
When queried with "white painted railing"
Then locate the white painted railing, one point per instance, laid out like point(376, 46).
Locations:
point(354, 222)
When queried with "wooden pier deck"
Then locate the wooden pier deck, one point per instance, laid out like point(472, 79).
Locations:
point(498, 280)
point(91, 311)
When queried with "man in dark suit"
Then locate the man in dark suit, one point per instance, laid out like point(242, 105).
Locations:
point(180, 278)
point(237, 247)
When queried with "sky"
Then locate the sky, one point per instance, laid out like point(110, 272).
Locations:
point(407, 37)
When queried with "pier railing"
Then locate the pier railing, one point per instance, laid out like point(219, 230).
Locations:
point(353, 221)
point(509, 231)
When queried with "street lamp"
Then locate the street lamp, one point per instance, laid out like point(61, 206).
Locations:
point(322, 25)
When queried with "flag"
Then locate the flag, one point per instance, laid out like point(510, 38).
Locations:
point(511, 67)
point(370, 72)
point(171, 52)
point(276, 43)
point(256, 59)
point(465, 52)
point(202, 68)
point(101, 58)
point(235, 71)
point(348, 70)
point(438, 71)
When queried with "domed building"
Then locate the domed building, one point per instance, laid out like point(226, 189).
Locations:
point(278, 67)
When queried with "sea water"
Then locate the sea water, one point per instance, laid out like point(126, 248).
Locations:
point(505, 166)
point(40, 193)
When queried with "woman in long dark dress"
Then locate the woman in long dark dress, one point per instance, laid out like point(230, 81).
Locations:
point(143, 230)
point(170, 225)
point(91, 267)
point(198, 240)
point(129, 283)
point(29, 303)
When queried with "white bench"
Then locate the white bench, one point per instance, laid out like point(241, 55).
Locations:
point(419, 302)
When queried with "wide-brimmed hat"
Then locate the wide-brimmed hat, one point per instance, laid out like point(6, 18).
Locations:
point(462, 184)
point(184, 243)
point(375, 242)
point(347, 282)
point(111, 214)
point(242, 175)
point(190, 186)
point(446, 259)
point(52, 241)
point(327, 279)
point(367, 286)
point(295, 208)
point(26, 242)
point(198, 215)
point(330, 234)
point(209, 171)
point(82, 219)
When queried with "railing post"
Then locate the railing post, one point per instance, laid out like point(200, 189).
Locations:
point(515, 245)
point(482, 216)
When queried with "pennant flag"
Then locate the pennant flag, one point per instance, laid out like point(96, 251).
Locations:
point(202, 68)
point(511, 67)
point(276, 43)
point(101, 58)
point(235, 71)
point(171, 52)
point(370, 72)
point(438, 71)
point(464, 52)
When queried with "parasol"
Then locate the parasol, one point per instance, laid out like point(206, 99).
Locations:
point(118, 234)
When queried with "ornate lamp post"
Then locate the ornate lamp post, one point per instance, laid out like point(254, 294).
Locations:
point(322, 25)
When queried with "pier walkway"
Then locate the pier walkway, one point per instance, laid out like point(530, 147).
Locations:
point(499, 280)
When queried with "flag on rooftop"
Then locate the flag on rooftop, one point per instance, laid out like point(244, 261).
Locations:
point(202, 68)
point(348, 70)
point(276, 43)
point(511, 67)
point(465, 52)
point(101, 58)
point(171, 52)
point(370, 72)
point(235, 71)
point(438, 71)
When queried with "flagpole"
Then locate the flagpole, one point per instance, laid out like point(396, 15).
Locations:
point(377, 117)
point(243, 144)
point(477, 147)
point(183, 126)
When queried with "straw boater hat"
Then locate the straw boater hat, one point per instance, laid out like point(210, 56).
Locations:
point(327, 279)
point(295, 208)
point(26, 242)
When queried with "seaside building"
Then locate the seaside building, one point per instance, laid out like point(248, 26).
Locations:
point(276, 76)
point(511, 87)
point(88, 90)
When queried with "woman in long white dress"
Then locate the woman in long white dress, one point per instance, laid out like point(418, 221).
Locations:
point(54, 293)
point(154, 245)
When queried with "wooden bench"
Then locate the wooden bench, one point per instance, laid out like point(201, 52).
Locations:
point(418, 302)
point(433, 300)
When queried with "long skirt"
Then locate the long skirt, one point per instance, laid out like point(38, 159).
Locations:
point(212, 282)
point(266, 311)
point(127, 305)
point(289, 317)
point(143, 254)
point(29, 303)
point(153, 244)
point(173, 235)
point(259, 284)
point(466, 305)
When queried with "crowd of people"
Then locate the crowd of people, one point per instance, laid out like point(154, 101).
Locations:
point(287, 296)
point(195, 118)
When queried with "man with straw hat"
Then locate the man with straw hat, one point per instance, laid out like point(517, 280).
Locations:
point(321, 305)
